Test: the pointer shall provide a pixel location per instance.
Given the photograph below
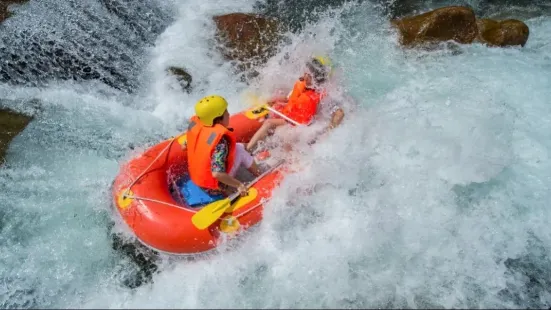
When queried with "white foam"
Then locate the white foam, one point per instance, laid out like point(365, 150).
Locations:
point(378, 217)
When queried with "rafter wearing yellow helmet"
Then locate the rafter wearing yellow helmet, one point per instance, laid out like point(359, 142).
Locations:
point(213, 154)
point(320, 67)
point(301, 105)
point(209, 108)
point(324, 61)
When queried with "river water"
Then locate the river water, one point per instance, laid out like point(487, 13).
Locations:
point(431, 194)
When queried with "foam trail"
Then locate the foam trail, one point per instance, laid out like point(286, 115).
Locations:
point(189, 43)
point(420, 199)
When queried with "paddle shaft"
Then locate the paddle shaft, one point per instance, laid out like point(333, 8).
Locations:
point(283, 116)
point(213, 211)
point(233, 196)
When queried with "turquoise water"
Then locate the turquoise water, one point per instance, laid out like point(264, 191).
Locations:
point(431, 194)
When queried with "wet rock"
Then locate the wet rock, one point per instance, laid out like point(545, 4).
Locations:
point(11, 124)
point(140, 262)
point(183, 78)
point(509, 32)
point(455, 23)
point(248, 39)
point(4, 12)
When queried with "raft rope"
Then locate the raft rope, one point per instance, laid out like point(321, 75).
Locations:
point(147, 169)
point(157, 201)
point(125, 195)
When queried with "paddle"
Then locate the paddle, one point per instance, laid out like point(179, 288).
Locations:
point(213, 211)
point(269, 108)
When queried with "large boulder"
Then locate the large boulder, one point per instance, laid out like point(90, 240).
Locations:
point(248, 39)
point(11, 124)
point(509, 32)
point(455, 23)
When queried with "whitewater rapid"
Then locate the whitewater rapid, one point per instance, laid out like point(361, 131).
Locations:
point(432, 193)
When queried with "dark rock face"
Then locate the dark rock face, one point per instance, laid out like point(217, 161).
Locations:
point(449, 23)
point(11, 124)
point(99, 40)
point(4, 4)
point(248, 39)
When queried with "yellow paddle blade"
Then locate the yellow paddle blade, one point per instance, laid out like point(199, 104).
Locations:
point(210, 213)
point(214, 210)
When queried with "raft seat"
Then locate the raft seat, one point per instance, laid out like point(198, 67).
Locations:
point(192, 194)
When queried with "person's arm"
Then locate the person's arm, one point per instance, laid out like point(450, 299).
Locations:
point(337, 114)
point(231, 181)
point(227, 179)
point(336, 118)
point(218, 168)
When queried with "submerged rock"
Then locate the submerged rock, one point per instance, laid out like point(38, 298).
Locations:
point(11, 124)
point(183, 77)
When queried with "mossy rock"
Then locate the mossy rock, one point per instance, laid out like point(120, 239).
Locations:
point(11, 124)
point(4, 12)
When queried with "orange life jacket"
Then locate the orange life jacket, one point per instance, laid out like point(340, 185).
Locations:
point(303, 103)
point(201, 142)
point(298, 89)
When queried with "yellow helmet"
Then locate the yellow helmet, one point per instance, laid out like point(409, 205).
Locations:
point(321, 67)
point(325, 61)
point(209, 108)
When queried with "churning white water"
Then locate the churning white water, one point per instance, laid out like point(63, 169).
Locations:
point(432, 193)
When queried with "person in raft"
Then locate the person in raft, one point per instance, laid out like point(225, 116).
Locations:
point(213, 154)
point(301, 105)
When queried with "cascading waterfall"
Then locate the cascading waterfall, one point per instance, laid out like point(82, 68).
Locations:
point(432, 193)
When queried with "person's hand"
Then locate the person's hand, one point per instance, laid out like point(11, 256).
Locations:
point(242, 189)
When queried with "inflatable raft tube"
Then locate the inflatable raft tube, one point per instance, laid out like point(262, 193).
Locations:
point(148, 195)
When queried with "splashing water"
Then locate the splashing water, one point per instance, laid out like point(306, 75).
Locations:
point(431, 194)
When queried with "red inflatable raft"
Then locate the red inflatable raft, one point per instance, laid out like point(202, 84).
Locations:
point(144, 196)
